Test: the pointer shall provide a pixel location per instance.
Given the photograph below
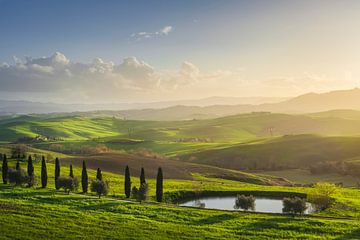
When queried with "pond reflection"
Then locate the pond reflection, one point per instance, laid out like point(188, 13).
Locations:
point(261, 204)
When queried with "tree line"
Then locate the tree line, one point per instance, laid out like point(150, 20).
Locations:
point(20, 177)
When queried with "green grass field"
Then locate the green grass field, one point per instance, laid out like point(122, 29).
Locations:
point(292, 151)
point(202, 156)
point(44, 214)
point(33, 213)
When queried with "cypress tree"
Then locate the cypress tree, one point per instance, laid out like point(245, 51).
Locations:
point(71, 174)
point(57, 173)
point(17, 165)
point(127, 182)
point(30, 167)
point(44, 176)
point(84, 178)
point(159, 185)
point(5, 169)
point(99, 174)
point(142, 176)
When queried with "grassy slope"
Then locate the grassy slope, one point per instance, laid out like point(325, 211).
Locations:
point(116, 162)
point(163, 137)
point(294, 151)
point(236, 128)
point(43, 214)
point(305, 177)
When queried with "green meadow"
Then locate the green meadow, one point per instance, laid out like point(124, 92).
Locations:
point(47, 213)
point(258, 153)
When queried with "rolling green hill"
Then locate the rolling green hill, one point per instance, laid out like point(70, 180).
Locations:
point(299, 151)
point(253, 141)
point(237, 128)
point(116, 162)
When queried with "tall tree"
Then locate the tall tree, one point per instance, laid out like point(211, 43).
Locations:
point(57, 173)
point(99, 174)
point(84, 178)
point(142, 176)
point(159, 185)
point(5, 169)
point(44, 176)
point(17, 165)
point(30, 167)
point(127, 182)
point(71, 174)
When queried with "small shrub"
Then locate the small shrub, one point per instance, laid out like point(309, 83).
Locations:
point(294, 205)
point(322, 195)
point(143, 192)
point(69, 184)
point(134, 192)
point(245, 202)
point(18, 176)
point(99, 187)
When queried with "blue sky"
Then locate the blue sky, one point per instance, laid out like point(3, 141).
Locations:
point(85, 29)
point(232, 48)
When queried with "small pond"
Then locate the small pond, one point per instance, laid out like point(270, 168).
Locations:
point(262, 204)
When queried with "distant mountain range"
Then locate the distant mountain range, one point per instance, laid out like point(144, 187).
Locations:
point(196, 109)
point(28, 107)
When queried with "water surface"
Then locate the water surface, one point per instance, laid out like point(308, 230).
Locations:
point(262, 204)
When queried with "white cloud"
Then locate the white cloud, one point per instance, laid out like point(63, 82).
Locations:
point(57, 60)
point(166, 30)
point(99, 79)
point(138, 73)
point(146, 35)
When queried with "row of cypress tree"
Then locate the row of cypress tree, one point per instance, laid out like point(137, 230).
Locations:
point(84, 176)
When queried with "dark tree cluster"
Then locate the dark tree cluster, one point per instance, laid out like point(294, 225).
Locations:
point(141, 193)
point(17, 176)
point(339, 167)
